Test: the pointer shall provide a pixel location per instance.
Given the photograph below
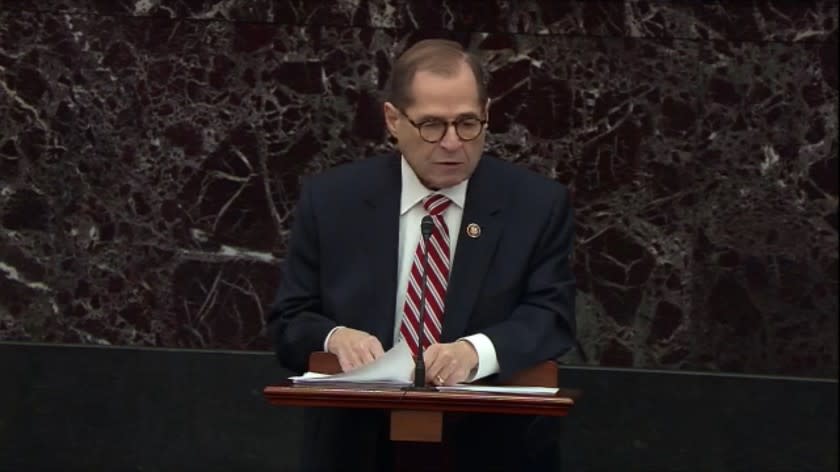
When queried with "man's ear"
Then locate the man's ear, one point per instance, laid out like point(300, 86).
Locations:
point(487, 109)
point(392, 117)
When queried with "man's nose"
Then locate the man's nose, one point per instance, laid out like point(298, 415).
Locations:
point(451, 141)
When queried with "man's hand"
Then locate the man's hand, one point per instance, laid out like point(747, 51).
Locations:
point(354, 348)
point(448, 364)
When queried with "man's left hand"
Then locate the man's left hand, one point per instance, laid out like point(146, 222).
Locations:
point(450, 363)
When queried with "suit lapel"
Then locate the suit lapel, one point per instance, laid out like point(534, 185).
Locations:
point(382, 224)
point(483, 207)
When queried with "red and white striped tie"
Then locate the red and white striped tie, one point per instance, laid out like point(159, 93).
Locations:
point(437, 279)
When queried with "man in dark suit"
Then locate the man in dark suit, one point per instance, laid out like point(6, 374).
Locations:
point(500, 291)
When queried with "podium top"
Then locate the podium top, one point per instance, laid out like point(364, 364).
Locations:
point(394, 398)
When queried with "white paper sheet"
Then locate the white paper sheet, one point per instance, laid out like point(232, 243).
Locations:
point(393, 367)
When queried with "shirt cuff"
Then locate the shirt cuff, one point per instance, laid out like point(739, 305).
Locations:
point(327, 341)
point(488, 364)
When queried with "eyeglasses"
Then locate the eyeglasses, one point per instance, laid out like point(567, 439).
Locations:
point(432, 131)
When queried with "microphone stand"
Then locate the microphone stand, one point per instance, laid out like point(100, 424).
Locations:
point(426, 227)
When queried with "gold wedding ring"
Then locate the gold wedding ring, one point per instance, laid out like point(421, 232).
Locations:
point(439, 379)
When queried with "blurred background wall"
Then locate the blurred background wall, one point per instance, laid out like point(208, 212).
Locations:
point(151, 153)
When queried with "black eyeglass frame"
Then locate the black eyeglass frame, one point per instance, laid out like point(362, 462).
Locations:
point(453, 123)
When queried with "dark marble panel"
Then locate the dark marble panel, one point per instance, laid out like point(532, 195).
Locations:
point(148, 167)
point(755, 20)
point(776, 20)
point(765, 246)
point(140, 201)
point(599, 17)
point(635, 127)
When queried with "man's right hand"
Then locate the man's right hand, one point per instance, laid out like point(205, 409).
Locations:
point(354, 348)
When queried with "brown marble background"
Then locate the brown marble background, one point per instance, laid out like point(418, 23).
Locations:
point(150, 154)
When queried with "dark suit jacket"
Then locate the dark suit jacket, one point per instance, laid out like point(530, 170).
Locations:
point(513, 283)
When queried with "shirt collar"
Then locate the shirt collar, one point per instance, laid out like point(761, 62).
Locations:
point(413, 191)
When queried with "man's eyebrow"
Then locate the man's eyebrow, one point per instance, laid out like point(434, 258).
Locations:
point(423, 118)
point(461, 116)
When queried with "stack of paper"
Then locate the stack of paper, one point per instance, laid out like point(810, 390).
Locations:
point(392, 368)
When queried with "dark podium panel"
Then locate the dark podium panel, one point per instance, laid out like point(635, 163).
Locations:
point(417, 416)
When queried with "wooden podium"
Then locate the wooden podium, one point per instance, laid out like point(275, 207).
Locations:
point(417, 416)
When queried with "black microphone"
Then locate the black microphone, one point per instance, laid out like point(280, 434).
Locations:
point(426, 227)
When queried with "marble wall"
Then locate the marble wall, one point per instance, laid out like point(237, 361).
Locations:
point(151, 152)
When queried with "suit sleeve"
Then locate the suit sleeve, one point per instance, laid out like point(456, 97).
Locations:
point(295, 319)
point(542, 325)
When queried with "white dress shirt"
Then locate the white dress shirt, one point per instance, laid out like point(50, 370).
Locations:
point(411, 214)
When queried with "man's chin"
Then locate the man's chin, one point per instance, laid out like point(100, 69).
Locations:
point(445, 182)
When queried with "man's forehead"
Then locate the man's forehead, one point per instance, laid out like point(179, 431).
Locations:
point(461, 75)
point(440, 95)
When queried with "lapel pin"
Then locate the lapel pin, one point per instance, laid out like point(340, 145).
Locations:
point(473, 230)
